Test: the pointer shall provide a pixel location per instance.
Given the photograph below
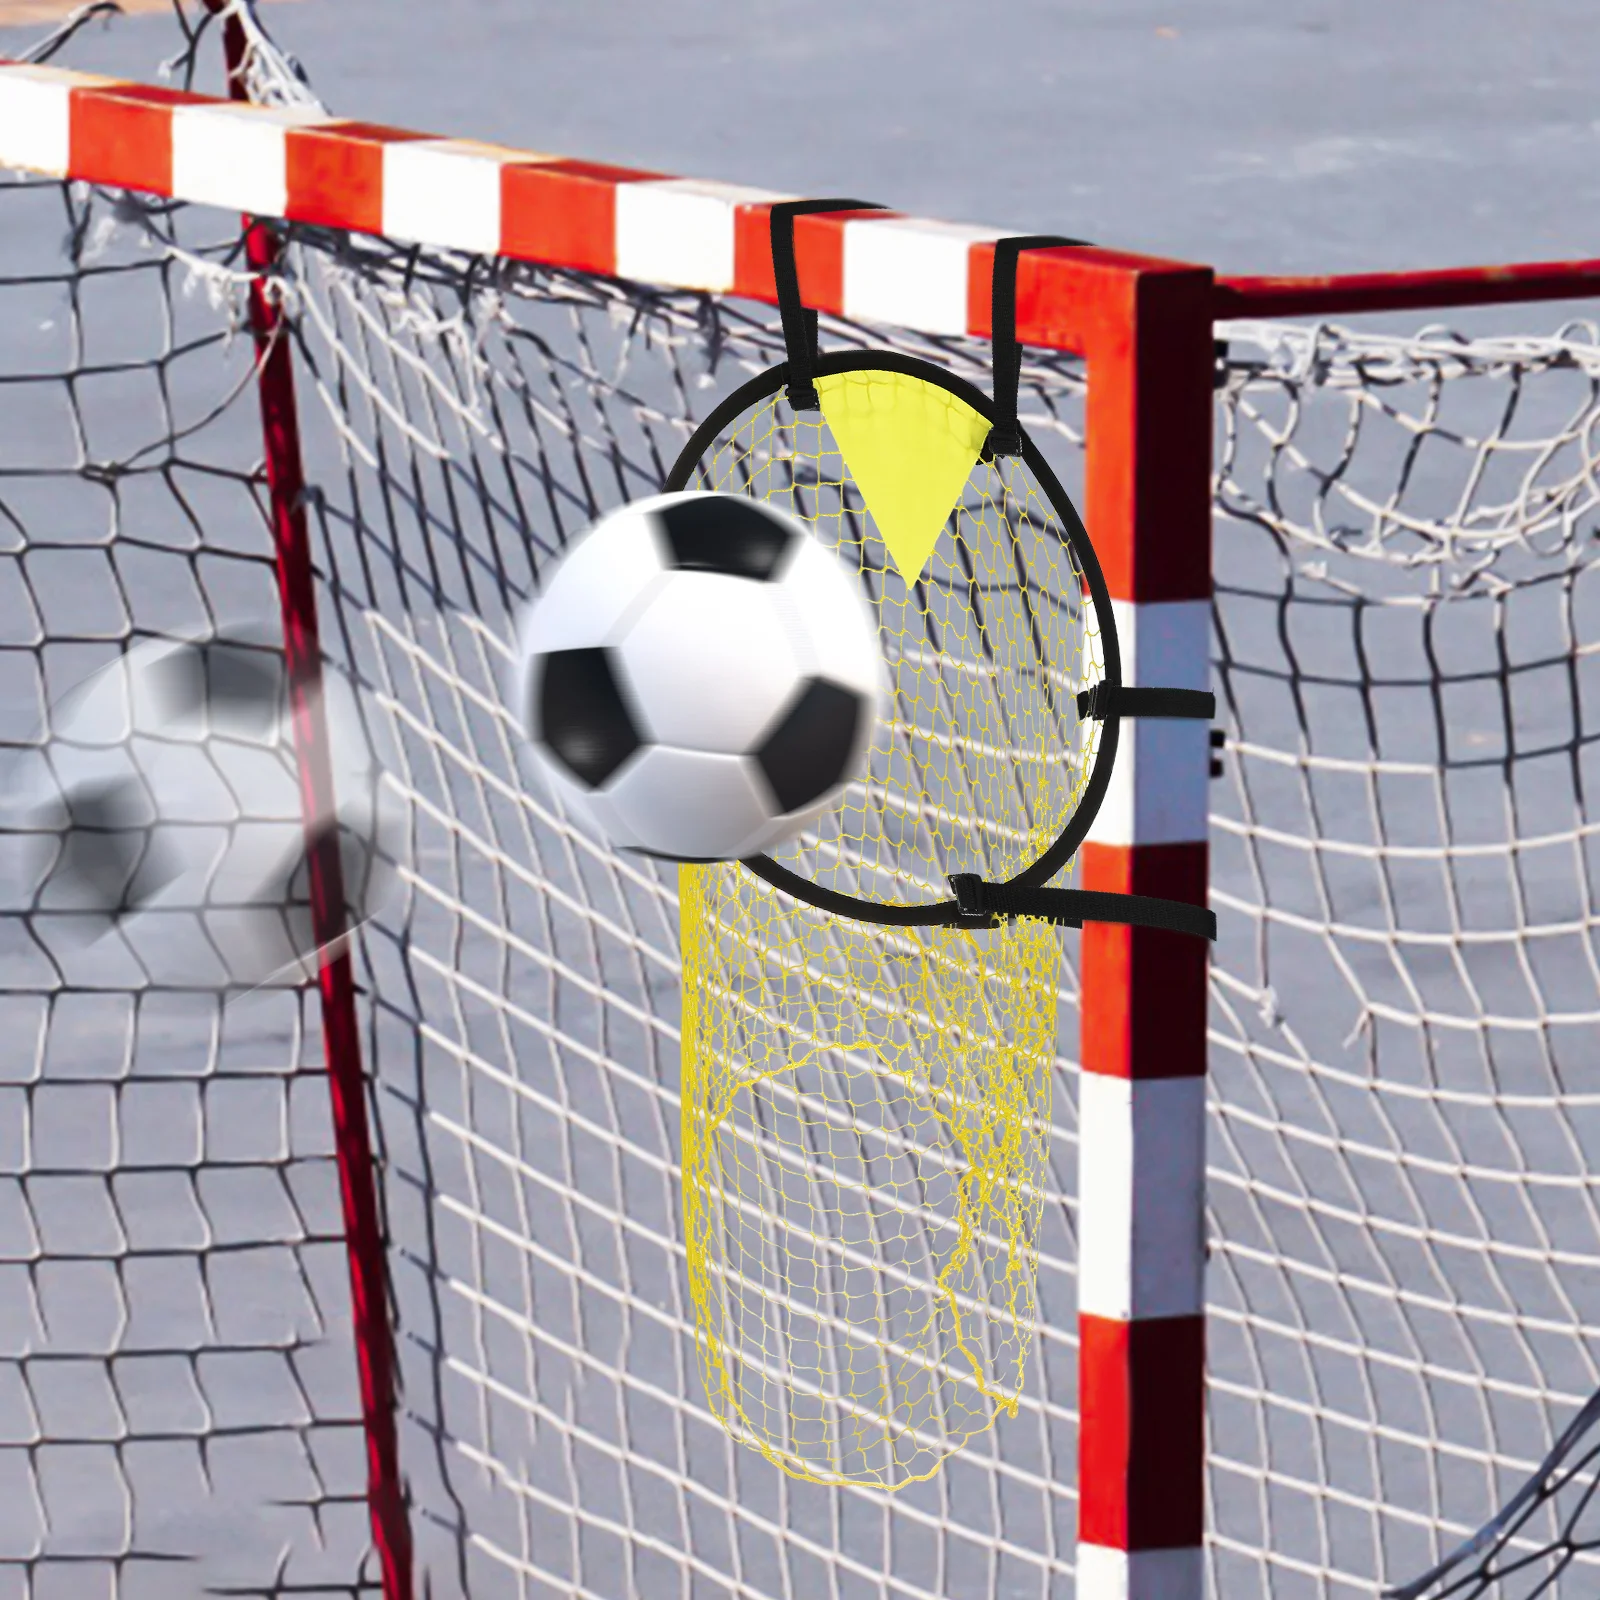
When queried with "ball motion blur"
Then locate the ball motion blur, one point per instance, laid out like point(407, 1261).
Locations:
point(167, 819)
point(701, 678)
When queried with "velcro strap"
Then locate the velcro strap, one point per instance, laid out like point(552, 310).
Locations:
point(979, 904)
point(1102, 701)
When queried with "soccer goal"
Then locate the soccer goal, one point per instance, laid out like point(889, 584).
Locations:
point(378, 1286)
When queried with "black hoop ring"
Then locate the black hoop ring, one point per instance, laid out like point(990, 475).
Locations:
point(1076, 537)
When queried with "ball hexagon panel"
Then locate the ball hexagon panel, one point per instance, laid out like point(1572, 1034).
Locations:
point(707, 663)
point(815, 745)
point(591, 806)
point(367, 875)
point(690, 805)
point(221, 685)
point(598, 582)
point(726, 534)
point(829, 622)
point(113, 859)
point(581, 713)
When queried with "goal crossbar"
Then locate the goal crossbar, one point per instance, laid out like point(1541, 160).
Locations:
point(679, 233)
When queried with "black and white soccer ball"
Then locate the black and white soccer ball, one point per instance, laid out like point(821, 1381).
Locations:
point(165, 814)
point(701, 678)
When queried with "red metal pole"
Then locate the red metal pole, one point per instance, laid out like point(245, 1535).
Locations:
point(1406, 291)
point(364, 1239)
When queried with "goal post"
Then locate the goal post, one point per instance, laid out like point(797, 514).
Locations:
point(1143, 329)
point(284, 470)
point(1374, 1207)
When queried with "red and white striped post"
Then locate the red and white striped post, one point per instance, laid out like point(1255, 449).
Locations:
point(1142, 1123)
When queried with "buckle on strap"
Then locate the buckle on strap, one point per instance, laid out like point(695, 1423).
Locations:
point(970, 900)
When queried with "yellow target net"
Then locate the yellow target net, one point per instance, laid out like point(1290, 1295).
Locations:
point(866, 1107)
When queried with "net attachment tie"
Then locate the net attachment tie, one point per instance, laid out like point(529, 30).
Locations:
point(799, 321)
point(1005, 434)
point(980, 904)
point(1103, 700)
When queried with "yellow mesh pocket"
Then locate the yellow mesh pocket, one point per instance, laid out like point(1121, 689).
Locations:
point(865, 1132)
point(866, 1107)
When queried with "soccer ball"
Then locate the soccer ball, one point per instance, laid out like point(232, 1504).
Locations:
point(700, 678)
point(167, 823)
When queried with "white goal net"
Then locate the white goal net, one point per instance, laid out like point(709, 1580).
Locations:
point(1405, 1235)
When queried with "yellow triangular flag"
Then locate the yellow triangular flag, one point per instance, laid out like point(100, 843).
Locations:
point(910, 445)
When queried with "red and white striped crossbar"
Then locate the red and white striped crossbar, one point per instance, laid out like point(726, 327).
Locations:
point(678, 232)
point(1144, 328)
point(459, 194)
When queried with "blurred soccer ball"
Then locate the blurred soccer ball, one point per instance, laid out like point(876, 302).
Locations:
point(701, 678)
point(166, 816)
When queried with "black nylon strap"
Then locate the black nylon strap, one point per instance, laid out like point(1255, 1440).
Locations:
point(1102, 701)
point(1004, 437)
point(980, 903)
point(799, 323)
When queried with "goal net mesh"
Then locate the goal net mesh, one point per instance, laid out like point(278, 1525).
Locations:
point(1405, 1236)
